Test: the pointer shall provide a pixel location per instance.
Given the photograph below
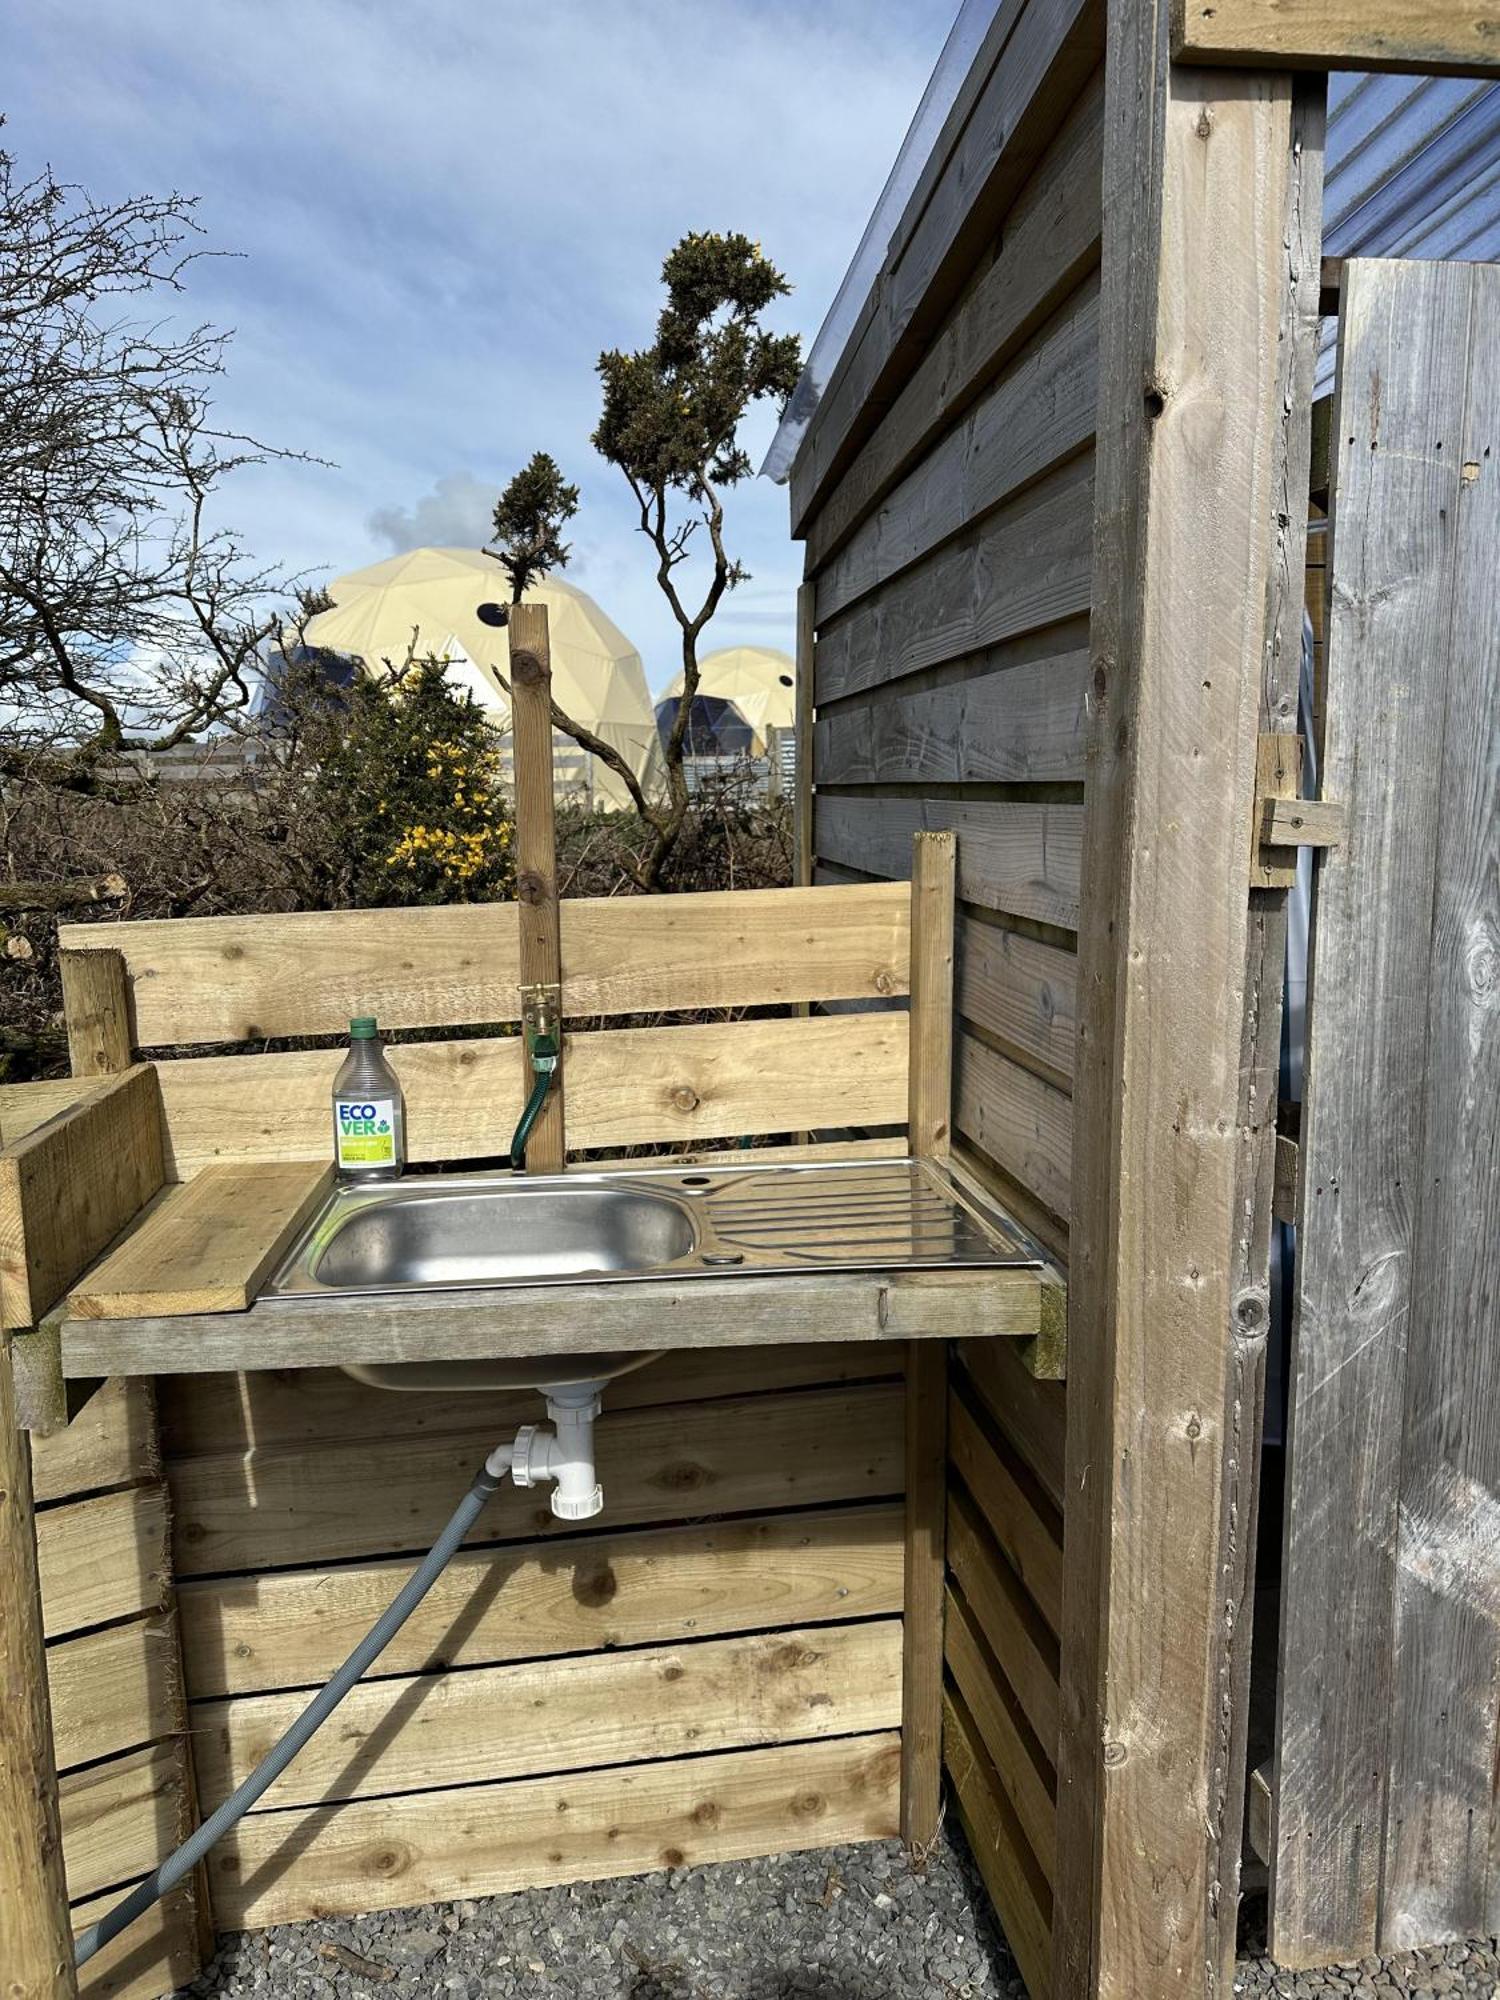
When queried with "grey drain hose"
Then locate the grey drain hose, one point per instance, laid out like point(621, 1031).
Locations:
point(317, 1712)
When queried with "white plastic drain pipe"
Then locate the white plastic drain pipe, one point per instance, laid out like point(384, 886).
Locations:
point(565, 1454)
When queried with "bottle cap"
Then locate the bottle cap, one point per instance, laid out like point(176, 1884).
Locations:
point(362, 1028)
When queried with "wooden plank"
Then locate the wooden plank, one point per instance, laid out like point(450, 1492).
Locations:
point(1024, 1523)
point(1044, 52)
point(209, 1246)
point(240, 979)
point(1039, 413)
point(71, 1185)
point(113, 1689)
point(629, 1086)
point(1278, 776)
point(929, 1117)
point(608, 1709)
point(1032, 1415)
point(115, 1815)
point(1021, 1121)
point(1288, 1179)
point(1191, 470)
point(1302, 823)
point(111, 1442)
point(1415, 37)
point(1025, 1775)
point(482, 1840)
point(1023, 859)
point(315, 1331)
point(291, 1628)
point(1441, 1877)
point(1365, 1083)
point(96, 1008)
point(1014, 715)
point(1003, 1610)
point(1023, 993)
point(540, 950)
point(807, 1449)
point(25, 1106)
point(103, 1558)
point(311, 1406)
point(802, 806)
point(158, 1954)
point(38, 1949)
point(1049, 244)
point(1009, 1869)
point(1026, 565)
point(922, 1612)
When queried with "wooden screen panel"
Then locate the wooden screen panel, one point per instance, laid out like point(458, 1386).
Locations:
point(1016, 857)
point(236, 979)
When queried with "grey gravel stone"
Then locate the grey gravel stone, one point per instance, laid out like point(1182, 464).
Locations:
point(844, 1923)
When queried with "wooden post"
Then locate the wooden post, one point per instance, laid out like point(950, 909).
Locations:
point(929, 1096)
point(36, 1938)
point(536, 850)
point(1192, 473)
point(803, 803)
point(96, 1008)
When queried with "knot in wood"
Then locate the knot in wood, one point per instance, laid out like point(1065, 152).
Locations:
point(685, 1098)
point(527, 670)
point(1114, 1755)
point(531, 887)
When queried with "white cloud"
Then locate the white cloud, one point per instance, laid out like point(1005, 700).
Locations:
point(456, 514)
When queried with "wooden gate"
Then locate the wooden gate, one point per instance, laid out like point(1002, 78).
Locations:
point(1385, 1827)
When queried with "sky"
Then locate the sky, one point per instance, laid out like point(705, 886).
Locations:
point(439, 214)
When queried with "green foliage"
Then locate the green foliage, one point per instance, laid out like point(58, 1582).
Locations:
point(408, 773)
point(530, 516)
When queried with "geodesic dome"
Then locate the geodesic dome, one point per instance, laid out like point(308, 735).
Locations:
point(427, 601)
point(744, 692)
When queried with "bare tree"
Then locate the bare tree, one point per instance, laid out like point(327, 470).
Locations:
point(127, 617)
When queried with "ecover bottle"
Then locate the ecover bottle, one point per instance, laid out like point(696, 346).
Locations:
point(369, 1118)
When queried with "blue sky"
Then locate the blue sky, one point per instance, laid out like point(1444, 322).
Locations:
point(442, 212)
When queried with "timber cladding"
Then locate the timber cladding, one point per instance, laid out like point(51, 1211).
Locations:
point(945, 492)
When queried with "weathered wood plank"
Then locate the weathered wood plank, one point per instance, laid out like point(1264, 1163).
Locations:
point(1032, 1415)
point(926, 1485)
point(1024, 1524)
point(115, 1815)
point(929, 1113)
point(1366, 1076)
point(291, 1628)
point(1023, 859)
point(111, 1442)
point(1022, 1122)
point(539, 961)
point(1003, 1611)
point(284, 1507)
point(114, 1689)
point(1436, 37)
point(158, 1954)
point(1011, 1872)
point(1025, 1775)
point(102, 1559)
point(1023, 993)
point(399, 1734)
point(1026, 565)
point(483, 1840)
point(96, 1008)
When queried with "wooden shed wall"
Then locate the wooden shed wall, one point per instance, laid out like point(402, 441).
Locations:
point(946, 499)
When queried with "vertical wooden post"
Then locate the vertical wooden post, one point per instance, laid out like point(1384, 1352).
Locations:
point(802, 824)
point(536, 850)
point(929, 1098)
point(36, 1938)
point(1192, 476)
point(96, 1008)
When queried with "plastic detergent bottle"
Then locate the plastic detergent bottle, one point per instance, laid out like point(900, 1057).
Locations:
point(369, 1119)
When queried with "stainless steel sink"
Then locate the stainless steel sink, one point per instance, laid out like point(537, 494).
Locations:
point(467, 1231)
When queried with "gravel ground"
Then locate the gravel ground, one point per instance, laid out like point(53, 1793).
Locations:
point(841, 1923)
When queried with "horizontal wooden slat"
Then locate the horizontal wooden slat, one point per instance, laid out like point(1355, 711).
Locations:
point(158, 1954)
point(1032, 1414)
point(103, 1558)
point(1024, 1523)
point(1412, 36)
point(1012, 1625)
point(998, 1842)
point(1040, 412)
point(67, 1187)
point(625, 1087)
point(978, 167)
point(1020, 1121)
point(487, 1840)
point(116, 1815)
point(290, 1507)
point(113, 1689)
point(1050, 241)
point(291, 1628)
point(25, 1106)
point(1027, 565)
point(111, 1442)
point(1022, 991)
point(321, 1406)
point(1026, 1777)
point(1020, 858)
point(208, 1246)
point(236, 979)
point(582, 1713)
point(1012, 720)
